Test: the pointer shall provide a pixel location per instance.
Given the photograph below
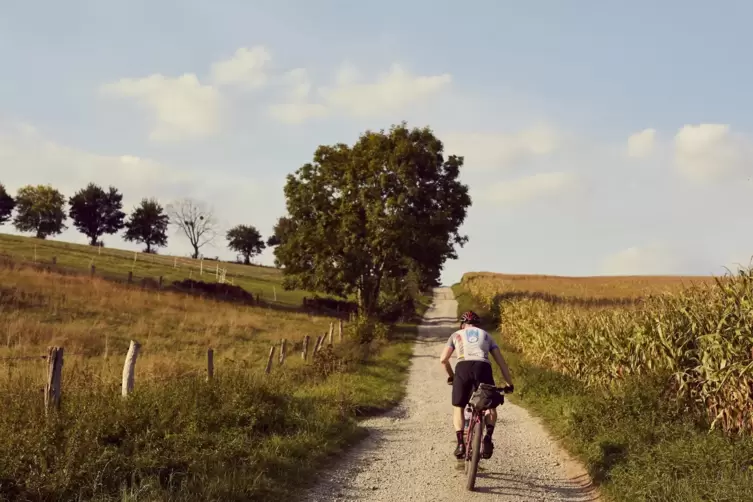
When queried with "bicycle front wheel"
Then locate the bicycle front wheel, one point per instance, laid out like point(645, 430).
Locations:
point(472, 467)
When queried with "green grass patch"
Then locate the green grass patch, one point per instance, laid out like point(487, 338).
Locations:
point(635, 444)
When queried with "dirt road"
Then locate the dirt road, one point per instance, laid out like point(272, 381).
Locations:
point(408, 454)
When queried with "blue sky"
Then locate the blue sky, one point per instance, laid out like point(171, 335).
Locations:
point(599, 137)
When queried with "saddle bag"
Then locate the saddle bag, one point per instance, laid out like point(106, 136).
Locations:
point(486, 397)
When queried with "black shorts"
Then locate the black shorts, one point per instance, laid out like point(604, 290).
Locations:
point(468, 374)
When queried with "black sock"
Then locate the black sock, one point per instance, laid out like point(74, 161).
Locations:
point(460, 436)
point(489, 430)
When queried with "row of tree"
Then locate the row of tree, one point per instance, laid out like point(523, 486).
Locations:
point(96, 212)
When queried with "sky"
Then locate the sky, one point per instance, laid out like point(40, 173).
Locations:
point(599, 137)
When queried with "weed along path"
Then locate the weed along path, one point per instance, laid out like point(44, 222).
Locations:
point(407, 455)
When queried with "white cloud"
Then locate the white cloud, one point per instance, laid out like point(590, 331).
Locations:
point(298, 109)
point(38, 160)
point(244, 69)
point(392, 91)
point(529, 188)
point(706, 152)
point(484, 151)
point(652, 259)
point(641, 144)
point(182, 107)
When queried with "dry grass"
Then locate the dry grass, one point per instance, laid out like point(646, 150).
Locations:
point(114, 263)
point(95, 320)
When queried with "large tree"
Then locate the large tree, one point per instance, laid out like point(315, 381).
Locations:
point(96, 212)
point(246, 240)
point(364, 215)
point(282, 226)
point(40, 209)
point(147, 225)
point(195, 220)
point(7, 203)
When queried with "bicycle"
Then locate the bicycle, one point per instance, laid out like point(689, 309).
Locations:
point(485, 397)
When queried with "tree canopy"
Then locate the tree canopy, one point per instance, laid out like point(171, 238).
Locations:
point(40, 209)
point(278, 232)
point(246, 240)
point(96, 212)
point(368, 214)
point(147, 225)
point(7, 203)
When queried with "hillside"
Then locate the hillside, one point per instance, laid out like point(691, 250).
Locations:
point(114, 263)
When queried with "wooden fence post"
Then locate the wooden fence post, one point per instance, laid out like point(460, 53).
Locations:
point(305, 346)
point(160, 282)
point(54, 260)
point(53, 386)
point(331, 331)
point(210, 364)
point(283, 351)
point(270, 359)
point(130, 276)
point(93, 270)
point(340, 331)
point(319, 342)
point(129, 368)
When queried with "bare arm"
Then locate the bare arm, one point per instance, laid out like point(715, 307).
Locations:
point(497, 354)
point(445, 360)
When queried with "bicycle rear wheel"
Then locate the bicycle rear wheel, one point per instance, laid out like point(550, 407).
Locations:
point(472, 465)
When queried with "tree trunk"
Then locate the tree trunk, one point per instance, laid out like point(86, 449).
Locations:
point(195, 252)
point(40, 234)
point(148, 247)
point(247, 259)
point(93, 240)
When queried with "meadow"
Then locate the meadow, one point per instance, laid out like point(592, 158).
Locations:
point(116, 264)
point(649, 380)
point(244, 435)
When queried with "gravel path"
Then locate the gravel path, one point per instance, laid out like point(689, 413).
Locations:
point(407, 455)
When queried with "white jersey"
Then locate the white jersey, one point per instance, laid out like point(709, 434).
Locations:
point(472, 344)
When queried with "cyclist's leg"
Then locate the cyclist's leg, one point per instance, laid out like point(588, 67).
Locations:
point(461, 394)
point(485, 375)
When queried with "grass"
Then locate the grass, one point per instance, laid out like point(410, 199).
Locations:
point(116, 264)
point(636, 443)
point(243, 436)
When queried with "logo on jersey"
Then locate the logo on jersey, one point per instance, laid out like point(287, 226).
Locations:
point(472, 335)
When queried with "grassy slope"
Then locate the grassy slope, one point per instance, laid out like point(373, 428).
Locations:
point(244, 437)
point(266, 281)
point(635, 448)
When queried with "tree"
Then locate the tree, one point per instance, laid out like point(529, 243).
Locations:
point(95, 212)
point(40, 209)
point(7, 203)
point(147, 225)
point(195, 220)
point(367, 214)
point(246, 240)
point(278, 232)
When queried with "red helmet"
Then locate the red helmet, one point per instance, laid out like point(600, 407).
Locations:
point(470, 317)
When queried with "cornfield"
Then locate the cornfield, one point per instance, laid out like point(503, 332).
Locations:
point(698, 337)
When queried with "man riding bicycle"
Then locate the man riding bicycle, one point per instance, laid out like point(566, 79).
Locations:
point(473, 368)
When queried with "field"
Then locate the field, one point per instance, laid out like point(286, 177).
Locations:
point(116, 264)
point(649, 380)
point(244, 435)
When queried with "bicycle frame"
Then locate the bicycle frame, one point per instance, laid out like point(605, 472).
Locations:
point(473, 442)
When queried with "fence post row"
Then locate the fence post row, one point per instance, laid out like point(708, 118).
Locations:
point(53, 386)
point(305, 346)
point(210, 364)
point(129, 368)
point(269, 360)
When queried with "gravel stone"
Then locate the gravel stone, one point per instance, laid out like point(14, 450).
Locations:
point(407, 455)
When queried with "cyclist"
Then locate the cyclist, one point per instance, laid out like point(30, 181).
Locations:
point(473, 367)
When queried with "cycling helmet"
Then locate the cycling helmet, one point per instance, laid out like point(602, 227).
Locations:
point(470, 317)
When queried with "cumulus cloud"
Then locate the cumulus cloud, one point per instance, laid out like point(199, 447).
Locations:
point(39, 160)
point(298, 109)
point(641, 144)
point(485, 151)
point(352, 95)
point(181, 107)
point(245, 69)
point(651, 259)
point(706, 152)
point(527, 189)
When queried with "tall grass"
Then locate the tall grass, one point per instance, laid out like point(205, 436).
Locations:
point(243, 436)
